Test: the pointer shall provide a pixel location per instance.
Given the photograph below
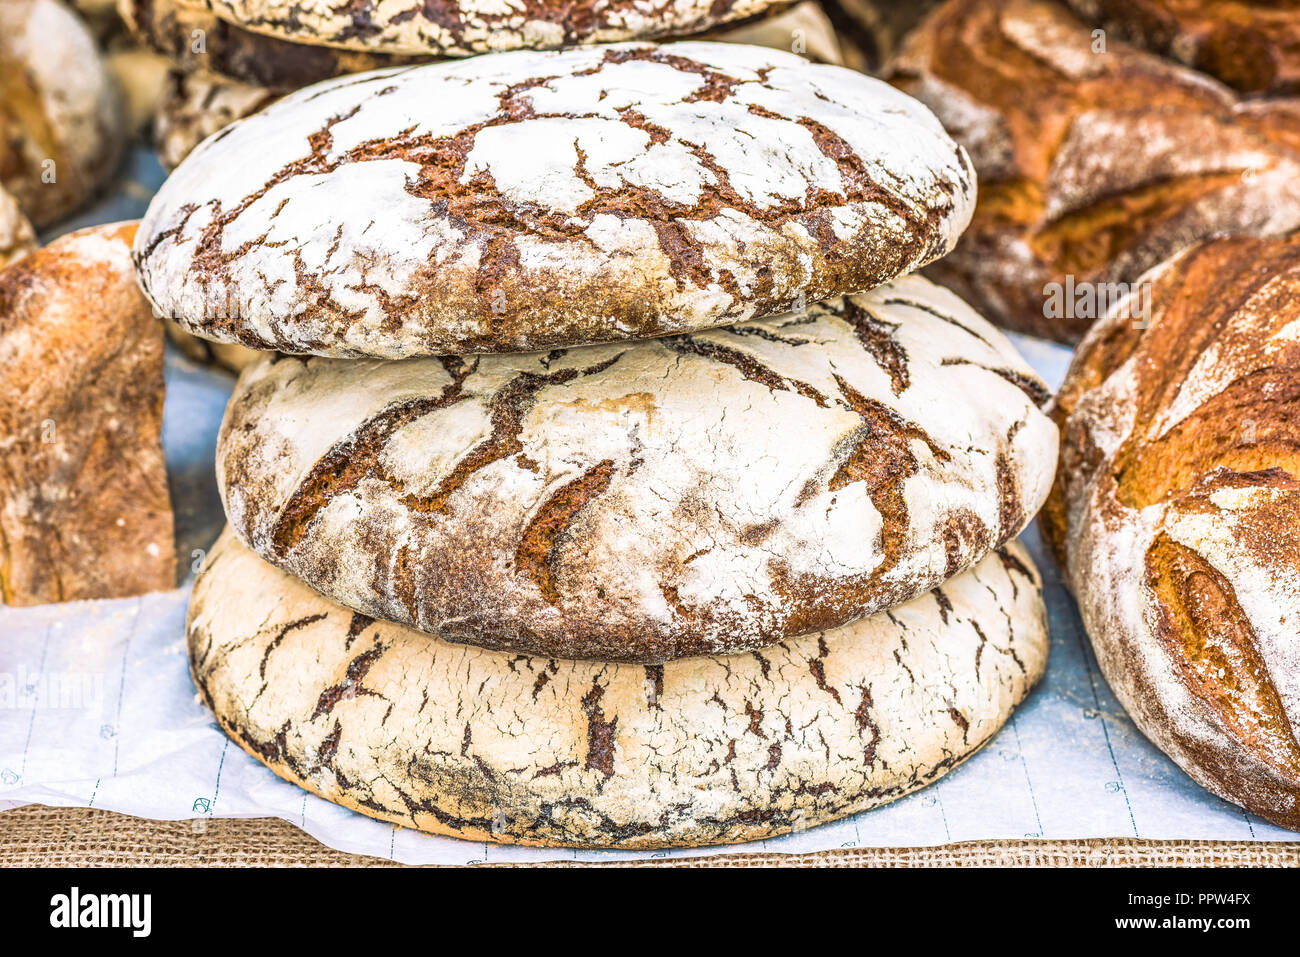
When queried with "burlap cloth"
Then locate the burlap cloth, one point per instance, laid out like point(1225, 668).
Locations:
point(72, 837)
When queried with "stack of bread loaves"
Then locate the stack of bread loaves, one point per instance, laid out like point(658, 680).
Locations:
point(551, 523)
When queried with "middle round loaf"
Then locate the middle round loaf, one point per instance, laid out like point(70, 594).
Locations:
point(523, 201)
point(701, 494)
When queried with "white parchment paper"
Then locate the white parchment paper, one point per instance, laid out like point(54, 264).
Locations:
point(97, 710)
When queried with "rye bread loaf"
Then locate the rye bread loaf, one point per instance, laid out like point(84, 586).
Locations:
point(538, 200)
point(466, 27)
point(646, 501)
point(1252, 45)
point(1093, 166)
point(17, 238)
point(84, 509)
point(489, 746)
point(198, 102)
point(1178, 510)
point(194, 39)
point(195, 105)
point(61, 122)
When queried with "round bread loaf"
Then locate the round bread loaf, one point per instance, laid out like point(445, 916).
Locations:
point(197, 104)
point(1253, 45)
point(465, 27)
point(84, 508)
point(61, 121)
point(1178, 510)
point(641, 502)
point(538, 200)
point(195, 39)
point(488, 746)
point(1096, 161)
point(17, 238)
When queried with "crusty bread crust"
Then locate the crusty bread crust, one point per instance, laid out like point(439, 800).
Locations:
point(551, 199)
point(455, 740)
point(1251, 45)
point(17, 237)
point(195, 39)
point(1095, 165)
point(468, 27)
point(1177, 508)
point(62, 126)
point(642, 502)
point(84, 509)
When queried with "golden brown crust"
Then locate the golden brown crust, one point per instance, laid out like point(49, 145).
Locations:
point(17, 238)
point(84, 508)
point(1177, 508)
point(1250, 45)
point(1114, 162)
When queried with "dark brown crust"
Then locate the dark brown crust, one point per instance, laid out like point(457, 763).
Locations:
point(196, 40)
point(1197, 512)
point(84, 507)
point(1115, 162)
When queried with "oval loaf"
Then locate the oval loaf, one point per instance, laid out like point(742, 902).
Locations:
point(482, 745)
point(538, 200)
point(465, 27)
point(1178, 510)
point(645, 501)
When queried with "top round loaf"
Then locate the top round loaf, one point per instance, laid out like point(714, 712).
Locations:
point(465, 27)
point(525, 201)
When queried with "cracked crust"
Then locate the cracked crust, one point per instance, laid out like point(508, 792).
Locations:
point(700, 494)
point(1251, 45)
point(170, 28)
point(1177, 508)
point(467, 27)
point(482, 745)
point(61, 122)
point(198, 102)
point(553, 198)
point(84, 508)
point(1115, 162)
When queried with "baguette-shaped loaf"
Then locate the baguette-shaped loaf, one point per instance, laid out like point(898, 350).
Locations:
point(538, 200)
point(1096, 161)
point(646, 501)
point(490, 746)
point(1177, 509)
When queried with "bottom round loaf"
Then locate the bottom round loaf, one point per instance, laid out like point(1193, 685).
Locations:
point(453, 739)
